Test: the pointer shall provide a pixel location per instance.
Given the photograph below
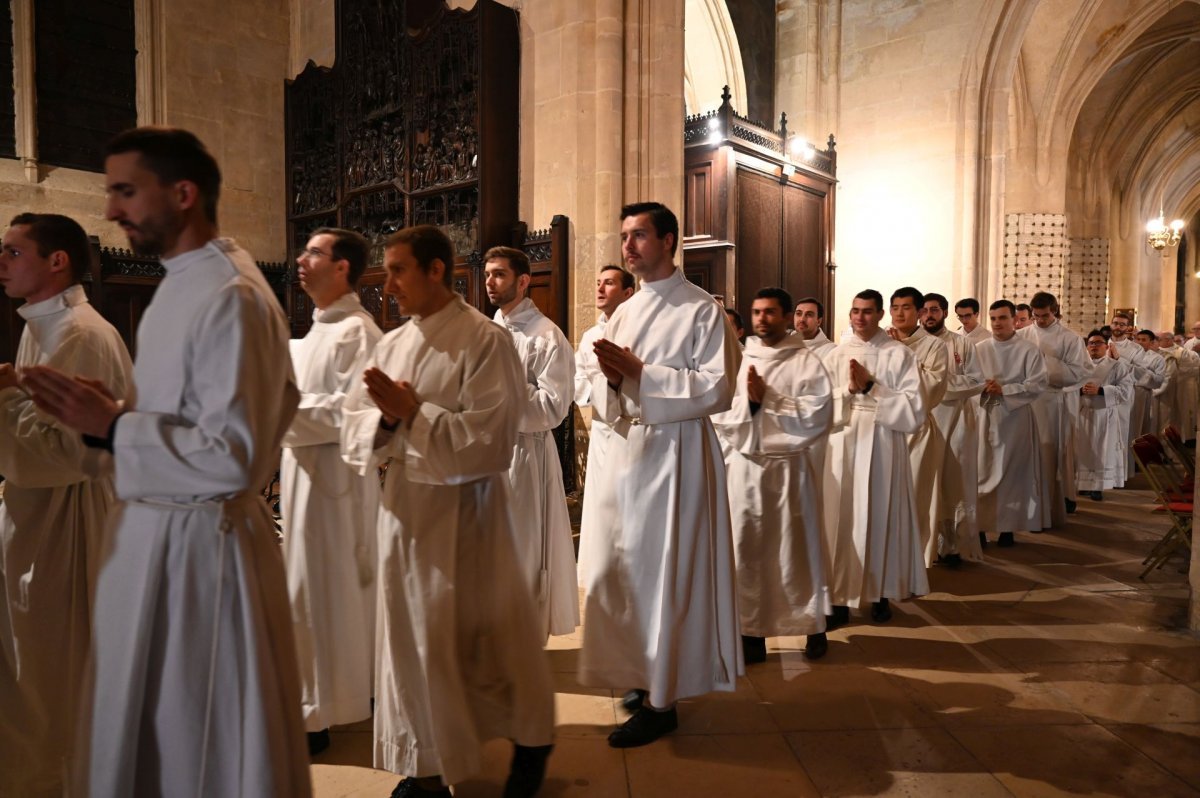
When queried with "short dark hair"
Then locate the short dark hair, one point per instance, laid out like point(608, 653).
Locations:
point(173, 154)
point(908, 292)
point(779, 295)
point(943, 303)
point(349, 246)
point(812, 300)
point(737, 319)
point(53, 232)
point(1000, 304)
point(1023, 306)
point(968, 302)
point(661, 216)
point(626, 275)
point(1043, 300)
point(1150, 333)
point(1125, 316)
point(518, 261)
point(428, 243)
point(1095, 332)
point(873, 295)
point(1106, 331)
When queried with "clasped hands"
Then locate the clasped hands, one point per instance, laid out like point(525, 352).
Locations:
point(78, 402)
point(617, 362)
point(859, 377)
point(396, 399)
point(993, 388)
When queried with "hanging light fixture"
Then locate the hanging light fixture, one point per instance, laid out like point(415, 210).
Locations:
point(1159, 234)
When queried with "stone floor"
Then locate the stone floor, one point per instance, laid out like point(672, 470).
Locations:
point(1049, 669)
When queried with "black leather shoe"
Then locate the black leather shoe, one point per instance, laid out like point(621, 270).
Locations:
point(1070, 505)
point(632, 701)
point(318, 741)
point(950, 560)
point(983, 540)
point(527, 771)
point(840, 617)
point(881, 612)
point(408, 788)
point(815, 646)
point(754, 649)
point(1006, 540)
point(643, 728)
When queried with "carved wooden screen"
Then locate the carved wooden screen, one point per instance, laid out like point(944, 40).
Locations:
point(8, 121)
point(415, 124)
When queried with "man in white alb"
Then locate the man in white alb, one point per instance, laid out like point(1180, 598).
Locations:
point(328, 510)
point(1024, 316)
point(1099, 445)
point(196, 690)
point(1176, 406)
point(871, 525)
point(808, 317)
point(1149, 372)
point(957, 523)
point(967, 311)
point(657, 550)
point(54, 512)
point(543, 527)
point(1010, 461)
point(780, 409)
point(460, 657)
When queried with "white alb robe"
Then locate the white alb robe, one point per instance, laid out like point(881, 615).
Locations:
point(196, 686)
point(979, 334)
point(328, 513)
point(1149, 373)
point(1010, 450)
point(958, 418)
point(1068, 367)
point(656, 553)
point(543, 527)
point(871, 525)
point(599, 433)
point(820, 344)
point(927, 446)
point(1099, 444)
point(52, 519)
point(1175, 401)
point(774, 492)
point(460, 657)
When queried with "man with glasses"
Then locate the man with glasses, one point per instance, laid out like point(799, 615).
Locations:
point(967, 311)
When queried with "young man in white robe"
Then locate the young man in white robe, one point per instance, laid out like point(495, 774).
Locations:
point(1148, 341)
point(196, 690)
point(1010, 461)
point(926, 446)
point(460, 657)
point(1099, 444)
point(1068, 367)
point(542, 527)
point(328, 510)
point(807, 319)
point(967, 311)
point(54, 513)
point(955, 507)
point(871, 525)
point(780, 409)
point(1024, 316)
point(1149, 372)
point(656, 548)
point(614, 285)
point(1177, 405)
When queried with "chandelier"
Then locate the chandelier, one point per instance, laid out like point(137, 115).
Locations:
point(1159, 235)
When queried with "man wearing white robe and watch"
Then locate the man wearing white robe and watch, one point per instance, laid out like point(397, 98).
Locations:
point(53, 513)
point(328, 510)
point(542, 527)
point(196, 687)
point(871, 523)
point(780, 409)
point(1099, 445)
point(657, 553)
point(460, 658)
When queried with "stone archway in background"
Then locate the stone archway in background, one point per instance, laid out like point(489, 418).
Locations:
point(711, 58)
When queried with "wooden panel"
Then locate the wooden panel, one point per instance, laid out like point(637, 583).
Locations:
point(698, 204)
point(758, 237)
point(8, 122)
point(803, 243)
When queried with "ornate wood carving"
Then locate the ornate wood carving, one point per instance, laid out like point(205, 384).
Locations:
point(8, 121)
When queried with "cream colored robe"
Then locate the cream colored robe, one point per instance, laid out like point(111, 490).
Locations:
point(656, 553)
point(979, 334)
point(1011, 465)
point(599, 433)
point(957, 416)
point(774, 492)
point(543, 527)
point(52, 519)
point(196, 686)
point(1149, 372)
point(1099, 444)
point(459, 649)
point(927, 446)
point(871, 524)
point(1175, 401)
point(328, 513)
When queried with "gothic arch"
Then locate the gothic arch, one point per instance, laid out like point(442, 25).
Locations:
point(712, 59)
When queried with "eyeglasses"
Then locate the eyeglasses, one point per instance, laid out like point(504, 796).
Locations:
point(313, 252)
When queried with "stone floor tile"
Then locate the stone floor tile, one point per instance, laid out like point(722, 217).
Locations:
point(717, 766)
point(578, 767)
point(1174, 746)
point(739, 712)
point(984, 699)
point(1120, 692)
point(836, 697)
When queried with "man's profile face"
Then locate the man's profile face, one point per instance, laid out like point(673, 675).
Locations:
point(1097, 346)
point(865, 317)
point(1022, 320)
point(969, 319)
point(317, 268)
point(501, 282)
point(768, 319)
point(1043, 317)
point(1002, 323)
point(807, 320)
point(1146, 341)
point(1196, 330)
point(905, 315)
point(644, 252)
point(934, 319)
point(609, 291)
point(1166, 340)
point(24, 273)
point(415, 289)
point(141, 205)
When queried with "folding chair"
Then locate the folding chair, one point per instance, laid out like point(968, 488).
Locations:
point(1182, 454)
point(1152, 459)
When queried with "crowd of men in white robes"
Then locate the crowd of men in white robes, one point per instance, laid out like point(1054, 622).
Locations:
point(155, 640)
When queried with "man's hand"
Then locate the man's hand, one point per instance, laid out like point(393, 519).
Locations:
point(858, 377)
point(617, 362)
point(395, 399)
point(8, 376)
point(894, 334)
point(82, 404)
point(1112, 351)
point(1090, 389)
point(756, 389)
point(993, 388)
